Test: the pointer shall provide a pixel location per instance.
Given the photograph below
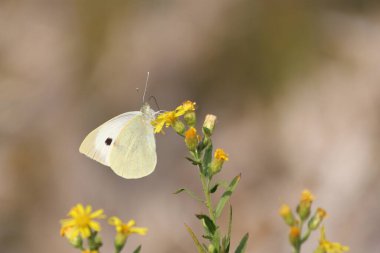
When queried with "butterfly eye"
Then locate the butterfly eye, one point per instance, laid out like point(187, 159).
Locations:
point(108, 141)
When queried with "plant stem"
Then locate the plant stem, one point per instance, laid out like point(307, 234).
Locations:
point(206, 191)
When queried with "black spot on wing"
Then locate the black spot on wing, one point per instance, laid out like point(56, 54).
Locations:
point(108, 141)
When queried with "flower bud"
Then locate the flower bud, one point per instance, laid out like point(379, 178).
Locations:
point(179, 127)
point(287, 215)
point(190, 118)
point(209, 125)
point(219, 157)
point(303, 209)
point(191, 139)
point(211, 248)
point(120, 240)
point(77, 242)
point(317, 219)
point(295, 236)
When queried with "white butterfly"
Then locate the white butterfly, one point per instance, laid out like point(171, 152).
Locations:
point(125, 143)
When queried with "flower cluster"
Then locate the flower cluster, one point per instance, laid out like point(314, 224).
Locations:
point(296, 237)
point(209, 163)
point(82, 225)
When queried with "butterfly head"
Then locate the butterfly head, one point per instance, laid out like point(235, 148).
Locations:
point(147, 111)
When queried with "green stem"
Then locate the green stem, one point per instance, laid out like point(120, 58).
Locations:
point(306, 236)
point(206, 191)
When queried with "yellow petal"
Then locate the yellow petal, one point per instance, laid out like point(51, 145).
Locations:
point(131, 223)
point(85, 232)
point(94, 225)
point(88, 209)
point(140, 231)
point(114, 221)
point(97, 214)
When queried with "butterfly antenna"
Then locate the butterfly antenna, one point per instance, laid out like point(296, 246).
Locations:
point(155, 101)
point(146, 86)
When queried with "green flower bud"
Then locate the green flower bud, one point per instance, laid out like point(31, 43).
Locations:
point(295, 236)
point(190, 118)
point(120, 240)
point(179, 127)
point(303, 209)
point(77, 242)
point(287, 214)
point(211, 248)
point(317, 219)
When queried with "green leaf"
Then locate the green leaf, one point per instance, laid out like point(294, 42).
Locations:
point(193, 161)
point(225, 244)
point(209, 223)
point(195, 239)
point(227, 239)
point(207, 157)
point(242, 244)
point(226, 195)
point(214, 188)
point(192, 194)
point(137, 250)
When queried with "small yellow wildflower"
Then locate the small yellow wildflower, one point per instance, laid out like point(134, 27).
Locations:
point(126, 228)
point(294, 235)
point(219, 157)
point(326, 246)
point(166, 119)
point(186, 106)
point(317, 219)
point(81, 222)
point(307, 196)
point(304, 206)
point(191, 138)
point(89, 251)
point(287, 215)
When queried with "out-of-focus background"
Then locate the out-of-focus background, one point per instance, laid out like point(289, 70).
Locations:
point(295, 86)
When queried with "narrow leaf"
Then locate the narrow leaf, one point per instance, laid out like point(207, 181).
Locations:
point(207, 157)
point(242, 244)
point(226, 196)
point(195, 239)
point(230, 223)
point(209, 223)
point(193, 161)
point(192, 194)
point(225, 244)
point(137, 250)
point(214, 188)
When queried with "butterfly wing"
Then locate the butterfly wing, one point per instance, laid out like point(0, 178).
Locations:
point(133, 153)
point(98, 144)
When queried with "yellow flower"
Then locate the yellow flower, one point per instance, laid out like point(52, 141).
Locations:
point(220, 155)
point(317, 219)
point(89, 251)
point(81, 222)
point(304, 206)
point(306, 196)
point(126, 228)
point(191, 138)
point(186, 106)
point(330, 247)
point(294, 235)
point(164, 119)
point(287, 215)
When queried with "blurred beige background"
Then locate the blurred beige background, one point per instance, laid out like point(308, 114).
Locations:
point(295, 86)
